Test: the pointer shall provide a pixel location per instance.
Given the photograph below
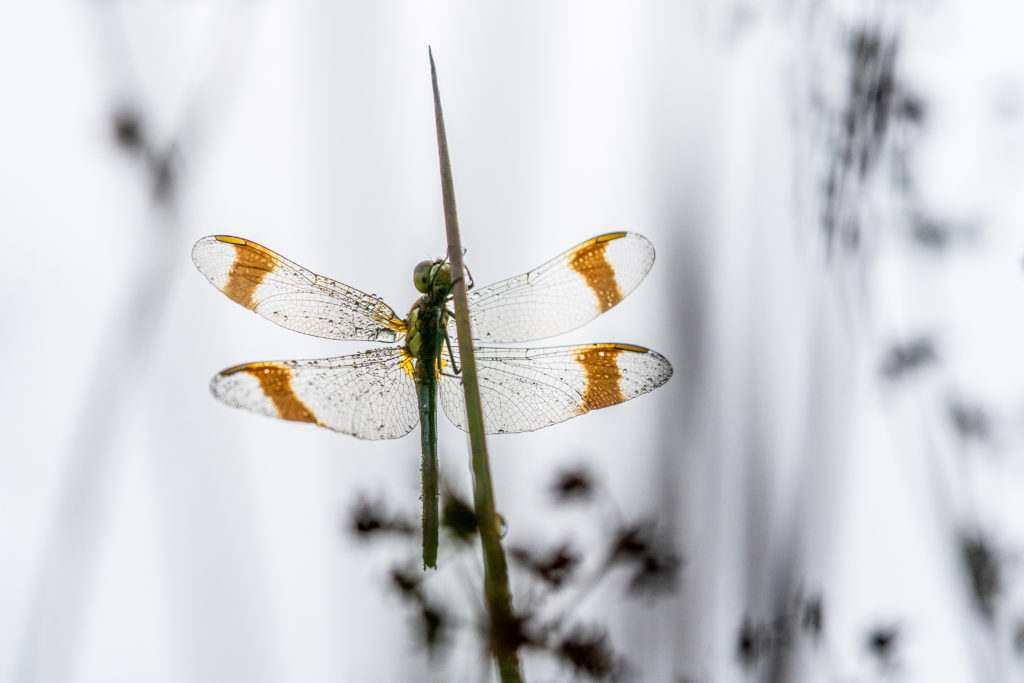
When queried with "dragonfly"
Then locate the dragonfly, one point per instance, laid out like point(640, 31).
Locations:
point(384, 392)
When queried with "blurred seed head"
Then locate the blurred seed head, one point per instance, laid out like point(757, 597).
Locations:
point(407, 582)
point(758, 640)
point(573, 485)
point(883, 643)
point(910, 108)
point(458, 517)
point(433, 627)
point(512, 632)
point(128, 131)
point(812, 619)
point(653, 562)
point(930, 232)
point(554, 567)
point(860, 125)
point(753, 642)
point(984, 571)
point(589, 652)
point(971, 421)
point(904, 359)
point(371, 519)
point(163, 169)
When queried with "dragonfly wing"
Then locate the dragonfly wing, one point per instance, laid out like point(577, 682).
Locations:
point(564, 293)
point(526, 389)
point(291, 296)
point(369, 395)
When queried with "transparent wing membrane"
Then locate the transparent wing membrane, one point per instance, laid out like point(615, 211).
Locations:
point(369, 395)
point(564, 293)
point(291, 296)
point(526, 389)
point(373, 395)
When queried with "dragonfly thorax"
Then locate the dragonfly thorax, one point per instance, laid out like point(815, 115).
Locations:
point(428, 316)
point(415, 326)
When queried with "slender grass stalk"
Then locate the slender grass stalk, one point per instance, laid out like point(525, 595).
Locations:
point(497, 595)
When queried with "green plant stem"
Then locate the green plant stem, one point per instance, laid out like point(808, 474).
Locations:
point(497, 595)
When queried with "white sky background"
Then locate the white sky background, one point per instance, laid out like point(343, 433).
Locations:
point(210, 543)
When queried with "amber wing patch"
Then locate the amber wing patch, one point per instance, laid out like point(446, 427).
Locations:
point(604, 379)
point(590, 261)
point(252, 263)
point(276, 382)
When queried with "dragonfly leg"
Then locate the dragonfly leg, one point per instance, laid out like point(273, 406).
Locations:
point(469, 276)
point(455, 366)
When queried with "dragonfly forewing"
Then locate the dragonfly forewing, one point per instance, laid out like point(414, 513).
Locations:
point(291, 296)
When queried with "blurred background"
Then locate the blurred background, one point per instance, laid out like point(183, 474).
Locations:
point(833, 190)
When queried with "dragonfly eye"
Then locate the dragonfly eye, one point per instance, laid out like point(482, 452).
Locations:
point(421, 275)
point(441, 275)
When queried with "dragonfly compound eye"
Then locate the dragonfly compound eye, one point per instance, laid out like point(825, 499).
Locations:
point(421, 275)
point(441, 275)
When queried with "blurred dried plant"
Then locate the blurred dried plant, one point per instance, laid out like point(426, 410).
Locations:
point(554, 580)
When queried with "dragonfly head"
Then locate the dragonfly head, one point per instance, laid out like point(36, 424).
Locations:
point(432, 276)
point(421, 276)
